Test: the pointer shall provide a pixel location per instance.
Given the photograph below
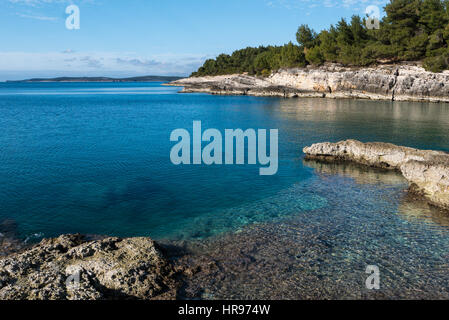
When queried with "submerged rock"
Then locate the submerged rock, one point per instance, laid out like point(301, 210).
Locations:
point(9, 240)
point(71, 267)
point(384, 82)
point(426, 170)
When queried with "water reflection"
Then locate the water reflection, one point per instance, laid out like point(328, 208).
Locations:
point(417, 210)
point(414, 124)
point(333, 109)
point(361, 174)
point(411, 208)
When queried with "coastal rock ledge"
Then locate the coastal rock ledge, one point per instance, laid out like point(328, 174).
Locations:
point(75, 268)
point(427, 171)
point(401, 82)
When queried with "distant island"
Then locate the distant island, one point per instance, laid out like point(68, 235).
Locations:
point(101, 79)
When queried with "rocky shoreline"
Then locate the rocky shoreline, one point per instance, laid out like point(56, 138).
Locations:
point(303, 256)
point(427, 171)
point(74, 267)
point(294, 259)
point(289, 261)
point(385, 82)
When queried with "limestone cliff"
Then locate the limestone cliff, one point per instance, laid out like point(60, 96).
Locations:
point(426, 170)
point(384, 82)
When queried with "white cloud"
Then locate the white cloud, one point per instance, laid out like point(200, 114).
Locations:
point(42, 18)
point(35, 3)
point(71, 62)
point(356, 5)
point(40, 5)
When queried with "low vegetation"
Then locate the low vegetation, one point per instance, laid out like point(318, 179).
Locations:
point(412, 30)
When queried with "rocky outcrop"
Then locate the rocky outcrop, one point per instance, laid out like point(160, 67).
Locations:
point(427, 171)
point(384, 82)
point(71, 267)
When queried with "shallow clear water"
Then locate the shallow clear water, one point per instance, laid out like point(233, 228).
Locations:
point(323, 253)
point(94, 158)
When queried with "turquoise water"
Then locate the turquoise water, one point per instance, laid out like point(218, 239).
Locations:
point(94, 158)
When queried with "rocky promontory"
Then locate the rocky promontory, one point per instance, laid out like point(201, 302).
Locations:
point(427, 171)
point(401, 82)
point(76, 268)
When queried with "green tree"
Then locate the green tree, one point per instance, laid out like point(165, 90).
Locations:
point(359, 31)
point(328, 46)
point(292, 56)
point(314, 56)
point(344, 34)
point(433, 15)
point(305, 36)
point(416, 47)
point(410, 30)
point(401, 23)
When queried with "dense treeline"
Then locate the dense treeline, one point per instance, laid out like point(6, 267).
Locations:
point(411, 30)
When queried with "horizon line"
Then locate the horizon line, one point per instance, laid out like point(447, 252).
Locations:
point(106, 77)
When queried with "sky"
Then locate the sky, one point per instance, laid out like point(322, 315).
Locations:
point(120, 38)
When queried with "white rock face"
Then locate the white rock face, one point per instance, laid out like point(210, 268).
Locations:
point(426, 170)
point(385, 82)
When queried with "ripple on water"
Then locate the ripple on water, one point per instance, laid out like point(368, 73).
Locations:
point(322, 252)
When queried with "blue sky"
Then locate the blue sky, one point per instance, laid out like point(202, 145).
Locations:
point(142, 37)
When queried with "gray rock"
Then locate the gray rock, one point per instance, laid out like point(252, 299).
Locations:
point(70, 267)
point(426, 170)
